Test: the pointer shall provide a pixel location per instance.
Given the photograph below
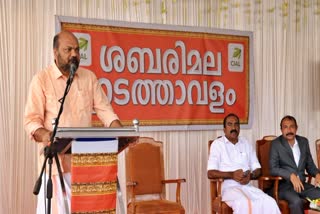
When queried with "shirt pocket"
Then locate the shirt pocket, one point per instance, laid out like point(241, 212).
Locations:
point(51, 103)
point(243, 158)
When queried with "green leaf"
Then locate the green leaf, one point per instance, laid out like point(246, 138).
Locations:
point(237, 53)
point(83, 43)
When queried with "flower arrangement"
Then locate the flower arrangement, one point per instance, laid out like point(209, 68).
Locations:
point(314, 204)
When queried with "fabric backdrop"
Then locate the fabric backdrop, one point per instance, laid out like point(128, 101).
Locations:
point(286, 78)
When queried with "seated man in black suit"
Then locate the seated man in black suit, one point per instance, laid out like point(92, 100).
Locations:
point(290, 157)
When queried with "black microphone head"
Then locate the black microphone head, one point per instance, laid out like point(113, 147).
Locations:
point(74, 66)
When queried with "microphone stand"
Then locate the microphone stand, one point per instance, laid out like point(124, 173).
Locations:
point(50, 152)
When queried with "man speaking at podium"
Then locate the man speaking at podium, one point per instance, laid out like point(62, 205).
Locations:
point(85, 95)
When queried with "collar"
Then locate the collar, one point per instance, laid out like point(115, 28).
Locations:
point(295, 143)
point(58, 74)
point(227, 141)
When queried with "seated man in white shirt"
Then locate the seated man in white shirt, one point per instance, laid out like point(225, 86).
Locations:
point(234, 159)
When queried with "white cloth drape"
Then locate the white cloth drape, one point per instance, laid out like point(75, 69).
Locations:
point(286, 78)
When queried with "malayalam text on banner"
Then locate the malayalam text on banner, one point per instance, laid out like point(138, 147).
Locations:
point(169, 77)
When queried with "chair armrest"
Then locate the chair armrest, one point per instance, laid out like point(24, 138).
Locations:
point(276, 180)
point(217, 182)
point(178, 182)
point(269, 178)
point(220, 180)
point(131, 185)
point(215, 191)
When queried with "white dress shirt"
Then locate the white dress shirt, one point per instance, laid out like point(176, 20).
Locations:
point(296, 152)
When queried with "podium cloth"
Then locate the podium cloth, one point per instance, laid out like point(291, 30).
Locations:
point(94, 175)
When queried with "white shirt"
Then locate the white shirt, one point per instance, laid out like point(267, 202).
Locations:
point(226, 156)
point(296, 152)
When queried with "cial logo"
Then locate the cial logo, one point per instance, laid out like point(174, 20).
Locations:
point(84, 40)
point(235, 57)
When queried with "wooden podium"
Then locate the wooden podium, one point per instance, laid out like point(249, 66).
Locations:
point(94, 166)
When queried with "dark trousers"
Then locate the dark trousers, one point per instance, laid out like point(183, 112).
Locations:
point(295, 199)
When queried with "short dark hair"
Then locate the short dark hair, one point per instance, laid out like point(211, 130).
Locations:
point(288, 117)
point(229, 115)
point(56, 41)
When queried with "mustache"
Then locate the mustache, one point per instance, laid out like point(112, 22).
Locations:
point(290, 133)
point(233, 130)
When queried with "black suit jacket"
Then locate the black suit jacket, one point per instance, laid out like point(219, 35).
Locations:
point(282, 162)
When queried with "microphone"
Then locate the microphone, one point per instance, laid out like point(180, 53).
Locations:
point(73, 67)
